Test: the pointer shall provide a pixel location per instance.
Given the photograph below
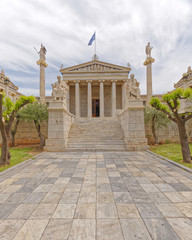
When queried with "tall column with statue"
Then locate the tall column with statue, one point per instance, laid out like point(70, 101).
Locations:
point(41, 62)
point(148, 62)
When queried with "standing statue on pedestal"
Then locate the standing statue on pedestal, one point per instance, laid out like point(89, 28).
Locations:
point(133, 90)
point(60, 89)
point(42, 52)
point(148, 49)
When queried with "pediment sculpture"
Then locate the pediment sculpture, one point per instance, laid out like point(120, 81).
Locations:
point(60, 89)
point(133, 90)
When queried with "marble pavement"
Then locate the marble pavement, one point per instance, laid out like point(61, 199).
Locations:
point(96, 195)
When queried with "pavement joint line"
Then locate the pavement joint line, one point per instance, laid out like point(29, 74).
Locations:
point(20, 164)
point(170, 161)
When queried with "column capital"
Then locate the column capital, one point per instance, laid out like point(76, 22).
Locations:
point(89, 81)
point(101, 81)
point(149, 60)
point(76, 81)
point(113, 81)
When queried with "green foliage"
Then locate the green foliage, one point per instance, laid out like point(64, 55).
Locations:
point(159, 118)
point(11, 108)
point(156, 103)
point(34, 112)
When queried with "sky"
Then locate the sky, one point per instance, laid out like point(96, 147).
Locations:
point(123, 28)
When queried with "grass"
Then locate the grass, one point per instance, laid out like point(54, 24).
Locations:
point(171, 151)
point(18, 155)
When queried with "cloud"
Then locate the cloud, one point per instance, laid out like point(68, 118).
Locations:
point(123, 29)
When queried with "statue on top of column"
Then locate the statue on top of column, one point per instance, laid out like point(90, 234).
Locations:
point(60, 89)
point(133, 90)
point(148, 49)
point(42, 52)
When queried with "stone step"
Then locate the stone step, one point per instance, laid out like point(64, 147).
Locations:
point(95, 141)
point(79, 145)
point(95, 150)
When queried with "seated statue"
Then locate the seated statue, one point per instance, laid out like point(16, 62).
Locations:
point(133, 88)
point(60, 89)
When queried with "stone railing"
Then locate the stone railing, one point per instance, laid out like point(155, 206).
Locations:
point(59, 124)
point(132, 123)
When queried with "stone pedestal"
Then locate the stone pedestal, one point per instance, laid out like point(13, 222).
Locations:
point(59, 124)
point(132, 122)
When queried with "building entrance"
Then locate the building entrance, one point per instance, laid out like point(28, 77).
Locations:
point(95, 108)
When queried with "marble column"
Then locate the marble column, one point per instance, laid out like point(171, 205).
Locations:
point(68, 98)
point(89, 99)
point(113, 98)
point(124, 84)
point(77, 99)
point(101, 101)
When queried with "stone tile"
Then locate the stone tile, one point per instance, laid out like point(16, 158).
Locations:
point(103, 187)
point(85, 210)
point(118, 187)
point(127, 211)
point(102, 180)
point(149, 188)
point(134, 229)
point(149, 210)
point(160, 229)
point(58, 188)
point(32, 229)
point(87, 197)
point(43, 188)
point(9, 228)
point(68, 198)
point(62, 180)
point(12, 188)
point(122, 197)
point(109, 229)
point(180, 187)
point(6, 209)
point(57, 229)
point(34, 197)
point(187, 195)
point(164, 187)
point(27, 188)
point(43, 211)
point(140, 197)
point(49, 180)
point(106, 210)
point(17, 198)
point(186, 208)
point(83, 229)
point(169, 210)
point(105, 197)
point(64, 211)
point(182, 226)
point(175, 197)
point(23, 211)
point(158, 197)
point(73, 187)
point(4, 197)
point(52, 198)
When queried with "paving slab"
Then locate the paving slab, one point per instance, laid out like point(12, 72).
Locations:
point(96, 196)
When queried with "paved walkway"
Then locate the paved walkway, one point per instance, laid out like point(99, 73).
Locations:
point(103, 196)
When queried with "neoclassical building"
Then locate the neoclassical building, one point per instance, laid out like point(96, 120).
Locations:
point(96, 106)
point(96, 89)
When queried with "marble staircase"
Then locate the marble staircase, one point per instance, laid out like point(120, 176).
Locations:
point(96, 135)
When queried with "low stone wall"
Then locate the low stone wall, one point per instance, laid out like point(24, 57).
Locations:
point(27, 133)
point(169, 133)
point(132, 122)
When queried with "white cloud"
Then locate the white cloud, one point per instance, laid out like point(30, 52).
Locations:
point(123, 29)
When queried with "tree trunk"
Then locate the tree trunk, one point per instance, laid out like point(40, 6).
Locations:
point(184, 142)
point(5, 154)
point(154, 130)
point(14, 131)
point(42, 138)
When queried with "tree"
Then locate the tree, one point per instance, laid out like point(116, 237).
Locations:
point(38, 113)
point(171, 108)
point(14, 129)
point(158, 120)
point(8, 111)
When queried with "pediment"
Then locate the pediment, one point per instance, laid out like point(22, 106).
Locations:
point(95, 66)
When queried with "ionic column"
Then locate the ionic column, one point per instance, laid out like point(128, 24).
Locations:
point(123, 93)
point(101, 94)
point(68, 98)
point(89, 99)
point(77, 99)
point(113, 98)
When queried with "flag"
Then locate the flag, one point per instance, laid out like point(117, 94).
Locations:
point(91, 40)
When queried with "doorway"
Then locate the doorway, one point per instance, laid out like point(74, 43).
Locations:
point(95, 108)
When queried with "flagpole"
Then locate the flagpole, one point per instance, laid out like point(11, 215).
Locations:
point(95, 42)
